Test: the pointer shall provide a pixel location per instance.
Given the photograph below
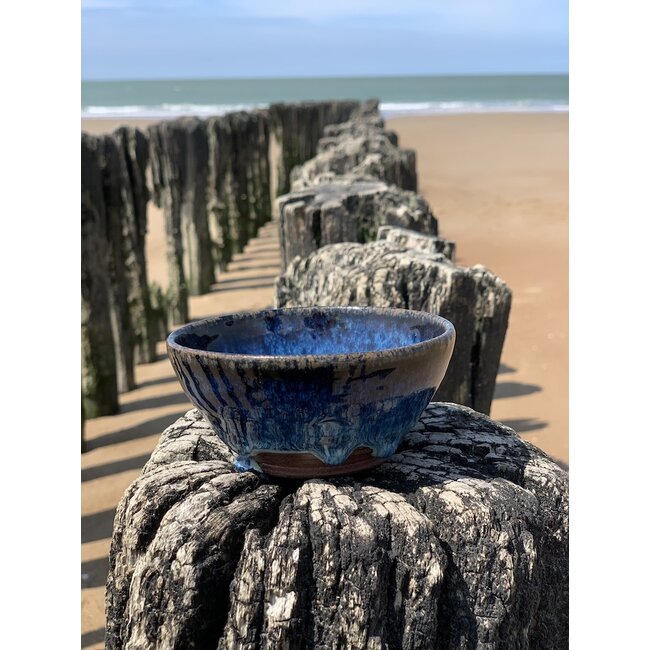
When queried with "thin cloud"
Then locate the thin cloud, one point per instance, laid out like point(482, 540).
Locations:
point(137, 4)
point(105, 4)
point(332, 9)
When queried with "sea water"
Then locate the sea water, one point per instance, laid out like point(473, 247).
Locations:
point(398, 95)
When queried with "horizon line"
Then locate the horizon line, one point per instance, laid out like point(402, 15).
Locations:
point(352, 76)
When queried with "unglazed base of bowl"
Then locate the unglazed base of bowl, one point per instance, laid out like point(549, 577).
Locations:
point(305, 465)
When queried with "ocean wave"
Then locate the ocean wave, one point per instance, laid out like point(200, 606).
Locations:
point(388, 109)
point(165, 110)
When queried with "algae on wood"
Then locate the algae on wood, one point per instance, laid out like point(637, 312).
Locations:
point(117, 236)
point(179, 164)
point(166, 152)
point(134, 157)
point(99, 375)
point(239, 181)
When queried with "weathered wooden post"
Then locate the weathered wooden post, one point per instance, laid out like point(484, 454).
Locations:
point(218, 152)
point(83, 424)
point(460, 540)
point(239, 181)
point(358, 152)
point(240, 222)
point(419, 241)
point(180, 159)
point(99, 376)
point(384, 274)
point(297, 129)
point(363, 125)
point(262, 186)
point(193, 173)
point(257, 171)
point(166, 151)
point(133, 148)
point(347, 211)
point(116, 231)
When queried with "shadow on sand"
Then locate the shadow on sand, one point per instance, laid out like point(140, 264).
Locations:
point(243, 287)
point(241, 266)
point(265, 247)
point(97, 526)
point(156, 382)
point(514, 389)
point(154, 402)
point(91, 638)
point(142, 430)
point(94, 573)
point(135, 462)
point(250, 280)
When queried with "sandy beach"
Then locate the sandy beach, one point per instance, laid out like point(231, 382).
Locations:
point(499, 187)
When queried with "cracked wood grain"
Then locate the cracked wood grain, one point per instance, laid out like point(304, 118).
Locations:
point(344, 211)
point(387, 274)
point(460, 540)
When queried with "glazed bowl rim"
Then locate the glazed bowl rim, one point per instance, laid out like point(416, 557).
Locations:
point(401, 351)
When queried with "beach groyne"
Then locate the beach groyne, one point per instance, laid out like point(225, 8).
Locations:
point(213, 181)
point(354, 232)
point(212, 178)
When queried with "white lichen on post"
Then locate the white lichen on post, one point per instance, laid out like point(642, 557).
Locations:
point(385, 274)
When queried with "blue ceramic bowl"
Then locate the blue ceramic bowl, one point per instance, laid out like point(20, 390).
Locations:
point(312, 391)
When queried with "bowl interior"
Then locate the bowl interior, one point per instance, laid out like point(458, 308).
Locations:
point(310, 332)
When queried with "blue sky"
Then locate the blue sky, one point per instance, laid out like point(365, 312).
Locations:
point(142, 39)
